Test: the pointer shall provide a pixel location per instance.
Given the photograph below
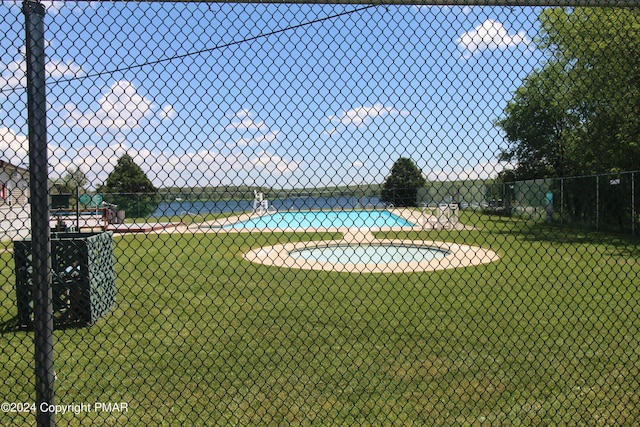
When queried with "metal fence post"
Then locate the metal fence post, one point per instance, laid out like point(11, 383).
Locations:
point(40, 233)
point(597, 202)
point(561, 200)
point(633, 204)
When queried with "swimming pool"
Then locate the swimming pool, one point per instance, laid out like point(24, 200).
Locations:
point(304, 220)
point(369, 253)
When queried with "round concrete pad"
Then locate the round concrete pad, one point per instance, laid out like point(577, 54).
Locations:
point(458, 256)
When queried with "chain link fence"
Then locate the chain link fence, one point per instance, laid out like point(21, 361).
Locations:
point(608, 202)
point(293, 214)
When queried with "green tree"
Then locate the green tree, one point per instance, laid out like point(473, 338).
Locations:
point(539, 128)
point(401, 186)
point(580, 112)
point(128, 187)
point(69, 183)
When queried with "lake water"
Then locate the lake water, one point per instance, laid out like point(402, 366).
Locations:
point(182, 208)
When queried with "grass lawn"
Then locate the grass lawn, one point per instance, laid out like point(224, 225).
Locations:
point(547, 335)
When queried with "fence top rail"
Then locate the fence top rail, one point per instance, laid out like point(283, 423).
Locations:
point(594, 175)
point(509, 3)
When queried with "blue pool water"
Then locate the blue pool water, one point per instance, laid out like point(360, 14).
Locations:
point(309, 220)
point(369, 253)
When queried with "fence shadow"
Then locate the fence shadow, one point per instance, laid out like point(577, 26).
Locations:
point(624, 244)
point(11, 326)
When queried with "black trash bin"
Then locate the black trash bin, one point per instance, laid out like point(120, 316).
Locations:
point(82, 279)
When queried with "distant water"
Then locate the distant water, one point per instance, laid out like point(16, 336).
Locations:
point(181, 208)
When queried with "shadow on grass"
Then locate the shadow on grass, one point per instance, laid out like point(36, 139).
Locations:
point(623, 243)
point(12, 325)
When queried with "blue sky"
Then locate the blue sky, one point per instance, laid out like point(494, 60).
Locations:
point(333, 101)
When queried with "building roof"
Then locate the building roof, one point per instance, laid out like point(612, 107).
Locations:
point(7, 165)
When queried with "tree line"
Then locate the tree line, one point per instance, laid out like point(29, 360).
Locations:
point(127, 186)
point(579, 114)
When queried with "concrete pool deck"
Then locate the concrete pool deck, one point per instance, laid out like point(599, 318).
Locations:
point(458, 256)
point(421, 220)
point(279, 255)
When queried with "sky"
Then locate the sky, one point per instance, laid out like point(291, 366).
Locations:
point(268, 95)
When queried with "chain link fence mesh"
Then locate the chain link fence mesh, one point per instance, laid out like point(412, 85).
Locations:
point(327, 214)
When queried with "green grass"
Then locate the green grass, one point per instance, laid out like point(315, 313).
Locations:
point(548, 335)
point(185, 219)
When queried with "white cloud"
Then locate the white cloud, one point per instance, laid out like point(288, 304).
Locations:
point(488, 36)
point(273, 163)
point(121, 108)
point(251, 133)
point(362, 115)
point(60, 69)
point(14, 74)
point(265, 138)
point(54, 7)
point(168, 113)
point(224, 162)
point(165, 168)
point(244, 113)
point(208, 167)
point(14, 148)
point(95, 162)
point(242, 121)
point(330, 131)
